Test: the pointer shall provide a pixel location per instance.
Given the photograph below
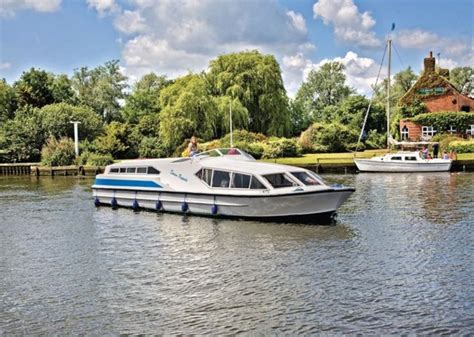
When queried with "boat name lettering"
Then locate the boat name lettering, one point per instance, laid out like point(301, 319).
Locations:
point(178, 175)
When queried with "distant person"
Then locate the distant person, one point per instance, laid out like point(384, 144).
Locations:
point(193, 147)
point(453, 155)
point(445, 155)
point(424, 152)
point(435, 150)
point(232, 151)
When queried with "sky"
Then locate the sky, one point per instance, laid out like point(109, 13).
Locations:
point(173, 38)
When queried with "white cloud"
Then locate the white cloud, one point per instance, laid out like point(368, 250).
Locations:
point(429, 41)
point(298, 21)
point(349, 24)
point(130, 22)
point(9, 7)
point(103, 6)
point(175, 37)
point(5, 65)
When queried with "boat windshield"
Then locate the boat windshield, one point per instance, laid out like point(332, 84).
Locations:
point(225, 152)
point(305, 178)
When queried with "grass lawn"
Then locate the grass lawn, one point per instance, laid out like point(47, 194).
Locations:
point(340, 158)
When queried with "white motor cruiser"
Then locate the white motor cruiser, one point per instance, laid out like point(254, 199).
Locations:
point(403, 162)
point(220, 183)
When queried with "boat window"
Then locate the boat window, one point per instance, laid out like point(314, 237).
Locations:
point(131, 169)
point(220, 179)
point(278, 180)
point(396, 158)
point(114, 170)
point(152, 170)
point(123, 170)
point(255, 184)
point(305, 178)
point(141, 169)
point(240, 180)
point(410, 158)
point(205, 175)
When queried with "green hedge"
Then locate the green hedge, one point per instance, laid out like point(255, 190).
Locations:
point(462, 146)
point(58, 152)
point(443, 120)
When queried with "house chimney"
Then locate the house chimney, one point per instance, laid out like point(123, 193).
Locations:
point(429, 63)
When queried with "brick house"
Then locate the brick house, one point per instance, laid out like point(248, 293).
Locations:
point(438, 95)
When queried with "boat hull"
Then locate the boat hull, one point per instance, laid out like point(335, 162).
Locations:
point(307, 207)
point(368, 165)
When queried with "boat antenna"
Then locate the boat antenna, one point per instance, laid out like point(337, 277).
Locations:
point(371, 100)
point(389, 43)
point(231, 138)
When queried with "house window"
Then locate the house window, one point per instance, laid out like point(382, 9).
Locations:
point(427, 131)
point(470, 130)
point(466, 108)
point(451, 129)
point(405, 133)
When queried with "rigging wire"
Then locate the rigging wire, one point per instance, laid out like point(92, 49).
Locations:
point(398, 54)
point(371, 100)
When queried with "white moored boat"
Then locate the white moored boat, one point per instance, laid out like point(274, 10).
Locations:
point(220, 182)
point(403, 162)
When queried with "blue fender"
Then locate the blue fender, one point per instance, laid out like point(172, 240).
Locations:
point(214, 209)
point(114, 203)
point(135, 205)
point(184, 206)
point(158, 205)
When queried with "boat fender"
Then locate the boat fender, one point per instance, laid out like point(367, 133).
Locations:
point(184, 206)
point(114, 203)
point(214, 209)
point(135, 205)
point(158, 205)
point(97, 202)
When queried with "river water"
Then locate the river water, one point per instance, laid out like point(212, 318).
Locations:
point(398, 260)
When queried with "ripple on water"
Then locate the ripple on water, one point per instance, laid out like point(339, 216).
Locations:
point(398, 261)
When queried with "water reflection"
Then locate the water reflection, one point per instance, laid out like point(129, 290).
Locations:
point(399, 260)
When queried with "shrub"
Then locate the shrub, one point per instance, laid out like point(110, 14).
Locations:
point(328, 137)
point(99, 159)
point(374, 140)
point(281, 147)
point(444, 140)
point(152, 147)
point(58, 153)
point(462, 146)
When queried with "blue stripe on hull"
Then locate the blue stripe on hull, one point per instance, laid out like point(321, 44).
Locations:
point(126, 183)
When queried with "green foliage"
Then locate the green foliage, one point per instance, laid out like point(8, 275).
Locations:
point(188, 110)
point(323, 87)
point(375, 140)
point(101, 88)
point(8, 101)
point(242, 136)
point(22, 137)
point(328, 137)
point(61, 90)
point(416, 108)
point(444, 139)
point(255, 81)
point(145, 98)
point(152, 147)
point(34, 88)
point(221, 120)
point(462, 146)
point(443, 120)
point(58, 152)
point(300, 118)
point(56, 120)
point(463, 79)
point(281, 147)
point(117, 141)
point(99, 159)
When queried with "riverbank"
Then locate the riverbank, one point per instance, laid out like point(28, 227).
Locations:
point(318, 162)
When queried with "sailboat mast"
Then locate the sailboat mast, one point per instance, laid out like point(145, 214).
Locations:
point(388, 91)
point(231, 138)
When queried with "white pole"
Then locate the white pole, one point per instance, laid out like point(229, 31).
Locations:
point(76, 137)
point(231, 138)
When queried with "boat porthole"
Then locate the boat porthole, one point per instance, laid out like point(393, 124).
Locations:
point(97, 202)
point(135, 205)
point(184, 206)
point(158, 205)
point(214, 209)
point(114, 203)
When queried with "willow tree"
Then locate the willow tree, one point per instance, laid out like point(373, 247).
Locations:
point(254, 80)
point(187, 110)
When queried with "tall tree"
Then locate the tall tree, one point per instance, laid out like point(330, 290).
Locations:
point(255, 81)
point(145, 97)
point(463, 79)
point(34, 88)
point(187, 110)
point(8, 101)
point(101, 88)
point(323, 87)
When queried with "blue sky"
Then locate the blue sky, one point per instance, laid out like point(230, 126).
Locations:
point(175, 37)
